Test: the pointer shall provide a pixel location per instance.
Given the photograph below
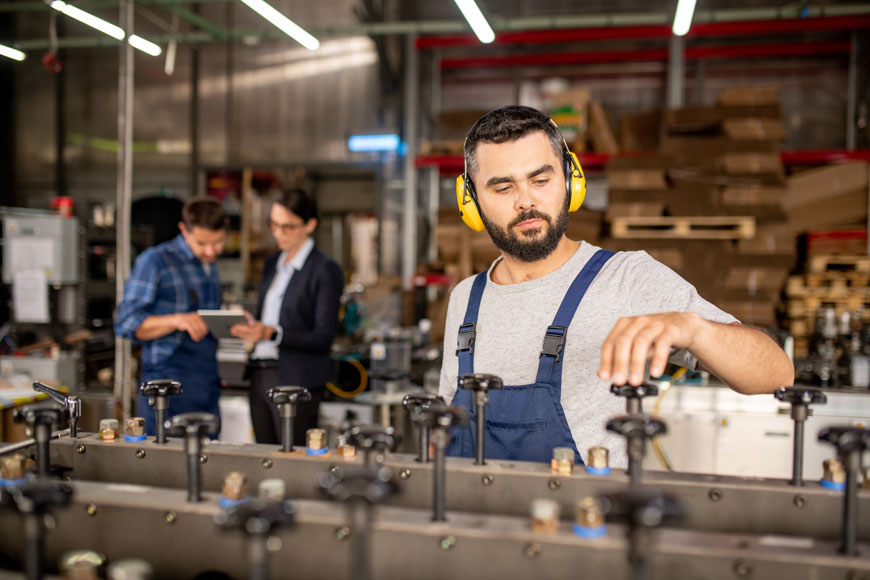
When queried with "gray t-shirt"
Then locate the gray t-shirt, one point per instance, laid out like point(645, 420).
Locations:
point(513, 319)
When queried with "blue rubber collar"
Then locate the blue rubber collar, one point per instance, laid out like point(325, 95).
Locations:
point(832, 485)
point(228, 503)
point(584, 532)
point(323, 451)
point(10, 483)
point(134, 438)
point(597, 470)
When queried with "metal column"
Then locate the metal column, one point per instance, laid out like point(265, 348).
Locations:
point(676, 72)
point(123, 200)
point(409, 206)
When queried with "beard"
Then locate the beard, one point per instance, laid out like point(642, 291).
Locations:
point(530, 245)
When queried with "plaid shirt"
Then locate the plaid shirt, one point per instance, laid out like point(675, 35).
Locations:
point(166, 279)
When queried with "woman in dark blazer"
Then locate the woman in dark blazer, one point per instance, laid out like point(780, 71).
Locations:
point(296, 319)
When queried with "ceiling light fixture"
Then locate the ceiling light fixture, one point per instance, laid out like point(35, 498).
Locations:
point(476, 20)
point(683, 17)
point(145, 46)
point(283, 23)
point(12, 53)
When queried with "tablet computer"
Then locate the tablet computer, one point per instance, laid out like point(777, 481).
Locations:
point(219, 322)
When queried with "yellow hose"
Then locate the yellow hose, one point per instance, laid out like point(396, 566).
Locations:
point(363, 382)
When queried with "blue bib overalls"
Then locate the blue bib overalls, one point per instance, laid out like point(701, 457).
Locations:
point(193, 363)
point(523, 422)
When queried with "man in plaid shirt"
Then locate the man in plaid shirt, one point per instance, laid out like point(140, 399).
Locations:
point(166, 287)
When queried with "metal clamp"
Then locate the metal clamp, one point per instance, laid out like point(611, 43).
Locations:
point(466, 338)
point(72, 404)
point(554, 342)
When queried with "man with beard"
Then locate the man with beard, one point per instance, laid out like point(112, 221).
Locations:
point(559, 320)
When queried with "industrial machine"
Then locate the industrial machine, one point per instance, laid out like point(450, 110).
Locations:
point(187, 505)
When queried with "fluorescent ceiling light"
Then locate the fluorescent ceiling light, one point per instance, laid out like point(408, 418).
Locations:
point(387, 142)
point(683, 16)
point(283, 23)
point(476, 20)
point(9, 52)
point(145, 46)
point(89, 19)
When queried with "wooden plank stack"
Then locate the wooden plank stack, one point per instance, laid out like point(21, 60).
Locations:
point(708, 204)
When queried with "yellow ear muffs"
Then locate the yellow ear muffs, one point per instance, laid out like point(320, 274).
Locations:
point(576, 181)
point(468, 205)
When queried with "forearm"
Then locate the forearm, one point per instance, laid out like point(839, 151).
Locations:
point(157, 326)
point(748, 360)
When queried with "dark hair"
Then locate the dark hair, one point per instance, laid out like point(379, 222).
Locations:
point(299, 202)
point(204, 212)
point(508, 124)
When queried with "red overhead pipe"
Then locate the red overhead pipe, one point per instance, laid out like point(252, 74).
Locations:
point(645, 55)
point(594, 161)
point(700, 30)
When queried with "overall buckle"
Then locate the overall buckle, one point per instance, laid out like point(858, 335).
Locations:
point(466, 338)
point(554, 342)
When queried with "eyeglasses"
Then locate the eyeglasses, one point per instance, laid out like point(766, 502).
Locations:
point(285, 228)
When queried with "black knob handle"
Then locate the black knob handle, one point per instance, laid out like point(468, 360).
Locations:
point(370, 485)
point(801, 396)
point(635, 426)
point(443, 416)
point(160, 388)
point(846, 439)
point(642, 508)
point(418, 400)
point(37, 497)
point(257, 516)
point(38, 415)
point(480, 382)
point(193, 425)
point(287, 394)
point(632, 392)
point(374, 438)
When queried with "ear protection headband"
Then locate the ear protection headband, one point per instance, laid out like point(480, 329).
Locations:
point(575, 187)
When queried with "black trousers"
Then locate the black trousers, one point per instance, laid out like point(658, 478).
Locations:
point(265, 415)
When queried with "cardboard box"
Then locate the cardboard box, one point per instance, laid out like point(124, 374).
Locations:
point(749, 96)
point(636, 173)
point(754, 128)
point(827, 182)
point(640, 132)
point(634, 209)
point(569, 111)
point(600, 131)
point(710, 120)
point(751, 195)
point(770, 239)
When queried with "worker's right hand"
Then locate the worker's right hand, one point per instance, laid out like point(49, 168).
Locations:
point(191, 323)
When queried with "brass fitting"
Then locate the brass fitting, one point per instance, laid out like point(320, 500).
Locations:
point(235, 486)
point(13, 467)
point(563, 460)
point(107, 426)
point(272, 489)
point(316, 439)
point(588, 513)
point(598, 457)
point(347, 451)
point(136, 426)
point(545, 515)
point(834, 471)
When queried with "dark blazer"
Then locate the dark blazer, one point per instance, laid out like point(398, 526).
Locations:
point(309, 318)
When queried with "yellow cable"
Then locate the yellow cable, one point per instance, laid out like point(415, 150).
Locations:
point(363, 382)
point(657, 446)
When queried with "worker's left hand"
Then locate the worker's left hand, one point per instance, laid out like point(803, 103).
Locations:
point(636, 339)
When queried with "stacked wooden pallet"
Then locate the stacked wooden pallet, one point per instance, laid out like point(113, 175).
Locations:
point(842, 281)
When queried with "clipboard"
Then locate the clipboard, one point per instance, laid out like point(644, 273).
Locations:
point(219, 322)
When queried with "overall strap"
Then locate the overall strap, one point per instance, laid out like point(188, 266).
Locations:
point(465, 343)
point(550, 365)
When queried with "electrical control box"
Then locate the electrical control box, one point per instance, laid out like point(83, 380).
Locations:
point(45, 242)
